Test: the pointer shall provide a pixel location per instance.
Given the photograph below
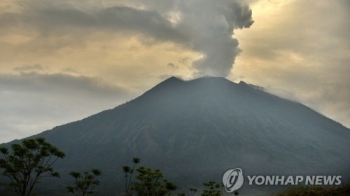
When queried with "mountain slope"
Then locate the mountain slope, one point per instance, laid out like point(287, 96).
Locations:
point(195, 130)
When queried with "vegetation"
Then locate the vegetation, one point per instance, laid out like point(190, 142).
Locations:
point(33, 159)
point(152, 183)
point(128, 175)
point(149, 182)
point(27, 163)
point(85, 183)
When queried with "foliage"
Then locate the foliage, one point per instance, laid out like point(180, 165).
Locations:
point(152, 183)
point(149, 182)
point(84, 183)
point(128, 175)
point(212, 189)
point(27, 163)
point(316, 191)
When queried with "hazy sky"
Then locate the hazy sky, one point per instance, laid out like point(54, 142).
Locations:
point(61, 61)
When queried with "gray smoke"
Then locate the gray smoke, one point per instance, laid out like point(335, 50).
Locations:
point(211, 25)
point(208, 26)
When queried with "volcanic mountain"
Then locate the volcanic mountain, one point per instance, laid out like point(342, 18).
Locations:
point(193, 131)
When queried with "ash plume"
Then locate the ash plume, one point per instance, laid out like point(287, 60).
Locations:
point(208, 27)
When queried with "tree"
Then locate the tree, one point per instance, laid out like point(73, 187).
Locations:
point(27, 163)
point(149, 182)
point(152, 183)
point(169, 187)
point(84, 183)
point(128, 173)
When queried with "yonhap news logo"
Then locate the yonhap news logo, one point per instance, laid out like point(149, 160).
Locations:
point(233, 180)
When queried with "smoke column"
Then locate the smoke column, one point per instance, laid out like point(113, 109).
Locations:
point(208, 26)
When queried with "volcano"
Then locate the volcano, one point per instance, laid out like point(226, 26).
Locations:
point(193, 131)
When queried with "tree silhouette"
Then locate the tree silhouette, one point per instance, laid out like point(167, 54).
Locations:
point(170, 187)
point(152, 183)
point(27, 163)
point(84, 183)
point(128, 173)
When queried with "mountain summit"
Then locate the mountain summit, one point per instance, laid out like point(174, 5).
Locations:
point(196, 130)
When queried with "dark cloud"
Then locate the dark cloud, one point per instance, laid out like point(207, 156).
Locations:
point(205, 26)
point(60, 83)
point(146, 22)
point(119, 18)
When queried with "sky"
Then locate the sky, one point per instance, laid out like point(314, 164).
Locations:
point(61, 61)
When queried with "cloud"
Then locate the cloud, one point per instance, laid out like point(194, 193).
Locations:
point(299, 50)
point(59, 83)
point(204, 26)
point(119, 18)
point(53, 20)
point(31, 102)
